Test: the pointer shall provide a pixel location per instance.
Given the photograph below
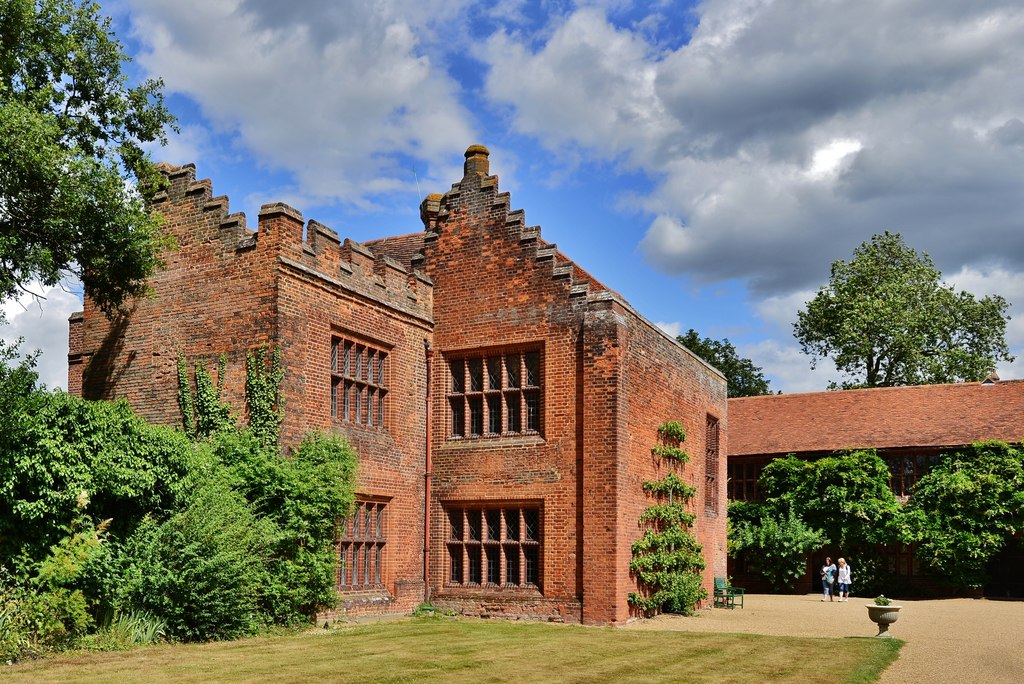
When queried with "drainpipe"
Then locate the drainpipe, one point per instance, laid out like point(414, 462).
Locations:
point(426, 481)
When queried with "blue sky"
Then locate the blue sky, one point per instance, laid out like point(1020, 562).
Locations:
point(706, 160)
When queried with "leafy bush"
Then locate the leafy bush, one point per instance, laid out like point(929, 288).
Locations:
point(54, 447)
point(303, 497)
point(846, 496)
point(774, 543)
point(966, 509)
point(125, 631)
point(212, 538)
point(201, 570)
point(13, 634)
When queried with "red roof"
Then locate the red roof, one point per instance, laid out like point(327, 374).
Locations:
point(401, 248)
point(880, 418)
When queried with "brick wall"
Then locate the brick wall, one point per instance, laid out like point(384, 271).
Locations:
point(215, 296)
point(227, 290)
point(487, 283)
point(497, 286)
point(609, 379)
point(664, 381)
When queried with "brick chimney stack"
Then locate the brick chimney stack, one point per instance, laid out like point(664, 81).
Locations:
point(476, 161)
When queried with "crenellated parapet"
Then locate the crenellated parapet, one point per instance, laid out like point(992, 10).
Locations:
point(284, 240)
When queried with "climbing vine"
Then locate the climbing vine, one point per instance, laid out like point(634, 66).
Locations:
point(263, 394)
point(667, 560)
point(186, 401)
point(203, 412)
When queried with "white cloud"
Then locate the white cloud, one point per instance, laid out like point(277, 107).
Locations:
point(345, 97)
point(781, 310)
point(785, 134)
point(789, 369)
point(190, 144)
point(590, 84)
point(43, 323)
point(674, 328)
point(828, 159)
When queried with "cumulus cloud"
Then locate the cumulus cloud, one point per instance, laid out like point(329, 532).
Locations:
point(345, 98)
point(42, 323)
point(788, 368)
point(784, 134)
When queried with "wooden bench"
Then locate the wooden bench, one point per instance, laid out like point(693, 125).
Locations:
point(726, 596)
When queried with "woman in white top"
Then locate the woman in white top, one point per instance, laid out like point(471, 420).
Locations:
point(845, 581)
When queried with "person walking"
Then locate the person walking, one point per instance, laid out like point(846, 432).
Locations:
point(845, 579)
point(828, 576)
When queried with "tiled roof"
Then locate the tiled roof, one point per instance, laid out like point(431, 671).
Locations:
point(401, 248)
point(884, 417)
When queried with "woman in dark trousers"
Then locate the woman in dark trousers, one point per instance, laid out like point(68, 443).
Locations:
point(828, 576)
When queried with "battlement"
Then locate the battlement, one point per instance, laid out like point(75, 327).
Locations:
point(198, 219)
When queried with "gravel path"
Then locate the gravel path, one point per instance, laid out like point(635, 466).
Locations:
point(958, 641)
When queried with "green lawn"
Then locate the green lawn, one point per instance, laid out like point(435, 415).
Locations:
point(448, 650)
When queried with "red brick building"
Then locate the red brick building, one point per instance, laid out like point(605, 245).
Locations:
point(502, 401)
point(909, 427)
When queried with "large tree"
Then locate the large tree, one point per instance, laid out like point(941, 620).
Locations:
point(73, 170)
point(886, 318)
point(743, 377)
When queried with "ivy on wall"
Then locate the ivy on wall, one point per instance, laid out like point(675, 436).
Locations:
point(204, 412)
point(667, 560)
point(263, 394)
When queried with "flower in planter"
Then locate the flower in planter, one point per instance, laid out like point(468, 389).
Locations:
point(881, 600)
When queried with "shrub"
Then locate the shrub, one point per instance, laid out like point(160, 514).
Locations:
point(966, 509)
point(201, 570)
point(13, 634)
point(54, 447)
point(774, 543)
point(125, 631)
point(303, 497)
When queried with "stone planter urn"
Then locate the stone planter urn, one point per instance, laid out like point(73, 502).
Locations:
point(883, 616)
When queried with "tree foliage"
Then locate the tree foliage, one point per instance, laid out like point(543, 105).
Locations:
point(774, 540)
point(966, 509)
point(73, 171)
point(102, 514)
point(743, 377)
point(846, 495)
point(885, 318)
point(843, 500)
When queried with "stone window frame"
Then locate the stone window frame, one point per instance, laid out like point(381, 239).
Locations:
point(360, 378)
point(362, 546)
point(495, 392)
point(493, 545)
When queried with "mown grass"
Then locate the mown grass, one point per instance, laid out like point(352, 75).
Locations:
point(447, 650)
